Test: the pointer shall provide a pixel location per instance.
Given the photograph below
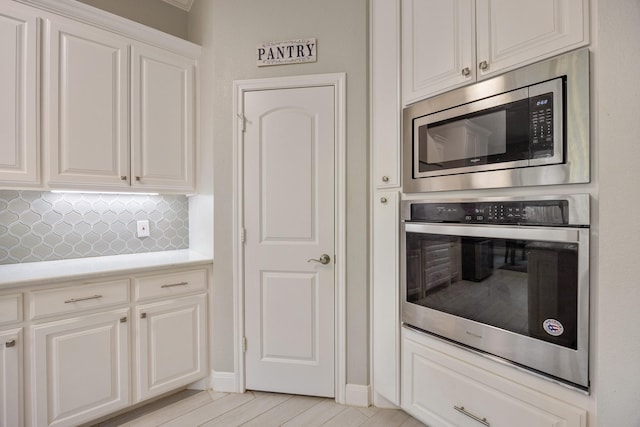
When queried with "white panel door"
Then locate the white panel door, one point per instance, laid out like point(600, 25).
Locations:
point(87, 126)
point(162, 96)
point(19, 156)
point(386, 292)
point(289, 219)
point(511, 33)
point(171, 344)
point(438, 46)
point(11, 378)
point(81, 368)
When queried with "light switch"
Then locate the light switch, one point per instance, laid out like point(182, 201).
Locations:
point(143, 228)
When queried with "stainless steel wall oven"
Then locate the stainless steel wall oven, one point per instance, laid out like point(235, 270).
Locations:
point(526, 127)
point(508, 277)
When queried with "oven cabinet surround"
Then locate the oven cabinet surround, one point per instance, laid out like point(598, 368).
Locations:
point(385, 200)
point(443, 387)
point(19, 152)
point(118, 101)
point(447, 44)
point(95, 345)
point(11, 366)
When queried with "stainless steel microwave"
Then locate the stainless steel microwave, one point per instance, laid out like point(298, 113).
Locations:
point(524, 128)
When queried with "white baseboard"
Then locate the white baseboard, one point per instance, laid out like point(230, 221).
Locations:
point(224, 382)
point(358, 395)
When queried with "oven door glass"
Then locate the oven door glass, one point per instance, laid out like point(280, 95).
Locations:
point(526, 286)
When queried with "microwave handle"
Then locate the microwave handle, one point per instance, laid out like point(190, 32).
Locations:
point(472, 107)
point(565, 235)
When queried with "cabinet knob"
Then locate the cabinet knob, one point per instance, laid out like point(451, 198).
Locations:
point(466, 71)
point(385, 179)
point(138, 178)
point(483, 65)
point(123, 178)
point(143, 315)
point(383, 200)
point(11, 343)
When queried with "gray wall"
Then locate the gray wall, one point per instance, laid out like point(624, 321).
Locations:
point(617, 95)
point(229, 31)
point(153, 13)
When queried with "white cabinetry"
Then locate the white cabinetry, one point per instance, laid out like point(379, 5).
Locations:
point(441, 390)
point(385, 93)
point(386, 301)
point(450, 43)
point(94, 141)
point(80, 362)
point(86, 126)
point(19, 150)
point(171, 330)
point(11, 378)
point(162, 119)
point(171, 344)
point(88, 359)
point(386, 149)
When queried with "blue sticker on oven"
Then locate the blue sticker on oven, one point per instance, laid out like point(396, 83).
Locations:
point(553, 327)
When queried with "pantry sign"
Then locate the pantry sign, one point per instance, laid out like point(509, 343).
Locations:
point(286, 52)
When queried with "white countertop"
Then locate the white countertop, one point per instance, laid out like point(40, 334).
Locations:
point(35, 272)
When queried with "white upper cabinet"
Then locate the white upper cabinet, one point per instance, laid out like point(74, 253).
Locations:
point(19, 154)
point(162, 119)
point(119, 114)
point(513, 33)
point(450, 43)
point(86, 126)
point(438, 46)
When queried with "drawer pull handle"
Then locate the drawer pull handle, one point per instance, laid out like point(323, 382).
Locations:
point(69, 301)
point(173, 285)
point(143, 315)
point(470, 415)
point(11, 343)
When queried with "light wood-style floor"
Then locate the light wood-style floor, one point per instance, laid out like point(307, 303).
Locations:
point(259, 409)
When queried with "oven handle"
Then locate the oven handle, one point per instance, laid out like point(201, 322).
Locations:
point(503, 232)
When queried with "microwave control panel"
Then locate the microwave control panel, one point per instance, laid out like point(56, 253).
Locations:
point(541, 124)
point(548, 212)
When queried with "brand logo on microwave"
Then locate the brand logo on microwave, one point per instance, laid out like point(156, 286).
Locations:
point(553, 327)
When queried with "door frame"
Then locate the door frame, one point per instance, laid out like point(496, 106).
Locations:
point(338, 81)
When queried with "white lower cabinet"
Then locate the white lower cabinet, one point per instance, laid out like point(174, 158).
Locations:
point(80, 368)
point(441, 390)
point(11, 378)
point(171, 344)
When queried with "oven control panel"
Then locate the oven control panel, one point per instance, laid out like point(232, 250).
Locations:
point(547, 212)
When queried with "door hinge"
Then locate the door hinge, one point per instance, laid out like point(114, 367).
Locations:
point(243, 120)
point(243, 235)
point(244, 344)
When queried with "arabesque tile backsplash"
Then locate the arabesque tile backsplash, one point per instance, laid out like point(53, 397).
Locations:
point(43, 226)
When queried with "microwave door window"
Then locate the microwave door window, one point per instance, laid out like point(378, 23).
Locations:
point(523, 286)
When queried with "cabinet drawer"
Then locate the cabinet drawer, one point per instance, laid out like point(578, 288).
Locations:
point(443, 391)
point(78, 298)
point(170, 284)
point(10, 308)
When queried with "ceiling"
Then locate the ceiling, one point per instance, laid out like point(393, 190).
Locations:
point(182, 4)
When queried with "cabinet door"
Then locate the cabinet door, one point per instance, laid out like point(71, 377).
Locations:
point(386, 304)
point(171, 344)
point(385, 92)
point(86, 103)
point(19, 155)
point(514, 33)
point(162, 120)
point(11, 378)
point(80, 368)
point(438, 46)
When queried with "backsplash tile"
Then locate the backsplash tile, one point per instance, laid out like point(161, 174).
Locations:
point(43, 226)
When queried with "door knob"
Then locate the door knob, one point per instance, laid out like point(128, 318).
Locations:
point(324, 259)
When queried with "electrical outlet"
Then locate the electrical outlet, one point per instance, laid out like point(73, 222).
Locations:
point(143, 228)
